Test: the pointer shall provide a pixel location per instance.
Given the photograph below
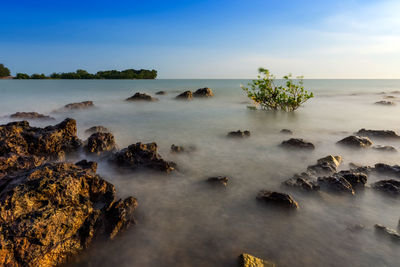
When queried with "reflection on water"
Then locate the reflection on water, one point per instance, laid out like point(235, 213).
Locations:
point(183, 221)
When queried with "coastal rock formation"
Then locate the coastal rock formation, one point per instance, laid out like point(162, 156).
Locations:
point(30, 116)
point(388, 186)
point(303, 181)
point(286, 131)
point(335, 183)
point(99, 143)
point(356, 179)
point(388, 169)
point(181, 149)
point(247, 260)
point(53, 212)
point(218, 180)
point(187, 95)
point(80, 105)
point(139, 156)
point(141, 97)
point(297, 143)
point(239, 134)
point(391, 233)
point(203, 92)
point(385, 148)
point(97, 129)
point(161, 93)
point(355, 142)
point(384, 134)
point(326, 165)
point(385, 103)
point(277, 198)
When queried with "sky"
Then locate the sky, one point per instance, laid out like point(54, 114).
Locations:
point(204, 39)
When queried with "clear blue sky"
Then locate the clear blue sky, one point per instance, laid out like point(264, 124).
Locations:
point(204, 39)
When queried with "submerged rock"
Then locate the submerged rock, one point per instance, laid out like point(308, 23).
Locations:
point(393, 234)
point(297, 143)
point(99, 143)
point(335, 183)
point(97, 129)
point(387, 134)
point(30, 116)
point(277, 198)
point(385, 148)
point(356, 179)
point(385, 103)
point(161, 93)
point(141, 97)
point(303, 181)
point(181, 149)
point(203, 92)
point(218, 180)
point(247, 260)
point(80, 105)
point(286, 131)
point(138, 156)
point(239, 134)
point(187, 95)
point(388, 169)
point(53, 212)
point(388, 186)
point(355, 142)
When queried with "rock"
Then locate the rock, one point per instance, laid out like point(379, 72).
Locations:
point(356, 179)
point(335, 183)
point(30, 116)
point(141, 97)
point(276, 198)
point(239, 134)
point(180, 149)
point(303, 181)
point(388, 186)
point(187, 95)
point(389, 97)
point(53, 212)
point(355, 142)
point(385, 103)
point(247, 260)
point(387, 169)
point(80, 105)
point(218, 180)
point(99, 143)
point(87, 165)
point(327, 165)
point(286, 131)
point(356, 227)
point(386, 134)
point(359, 168)
point(161, 93)
point(385, 148)
point(97, 129)
point(393, 234)
point(138, 156)
point(203, 92)
point(297, 143)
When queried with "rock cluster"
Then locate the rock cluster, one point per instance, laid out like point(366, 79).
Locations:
point(239, 134)
point(80, 105)
point(30, 116)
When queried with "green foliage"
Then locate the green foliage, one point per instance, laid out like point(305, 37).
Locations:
point(287, 97)
point(4, 72)
point(36, 76)
point(21, 76)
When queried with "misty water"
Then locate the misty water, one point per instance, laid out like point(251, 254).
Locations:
point(184, 221)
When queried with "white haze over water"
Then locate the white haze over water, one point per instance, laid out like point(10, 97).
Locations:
point(181, 220)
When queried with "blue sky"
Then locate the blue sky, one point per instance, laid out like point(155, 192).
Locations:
point(204, 39)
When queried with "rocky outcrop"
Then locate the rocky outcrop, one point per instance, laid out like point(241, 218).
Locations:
point(388, 169)
point(218, 180)
point(297, 143)
point(277, 199)
point(247, 260)
point(142, 156)
point(391, 233)
point(53, 212)
point(30, 116)
point(161, 93)
point(355, 142)
point(187, 95)
point(385, 103)
point(356, 179)
point(239, 134)
point(303, 181)
point(80, 105)
point(286, 131)
point(384, 134)
point(335, 183)
point(385, 148)
point(203, 92)
point(141, 97)
point(97, 129)
point(325, 166)
point(99, 143)
point(388, 186)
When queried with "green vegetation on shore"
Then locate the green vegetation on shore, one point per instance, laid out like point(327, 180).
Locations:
point(4, 72)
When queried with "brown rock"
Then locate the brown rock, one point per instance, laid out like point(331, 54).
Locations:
point(355, 142)
point(80, 105)
point(218, 180)
point(276, 198)
point(239, 134)
point(187, 95)
point(203, 92)
point(97, 129)
point(99, 143)
point(297, 143)
point(141, 97)
point(30, 116)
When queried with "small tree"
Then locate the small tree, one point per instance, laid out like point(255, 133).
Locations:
point(286, 97)
point(4, 72)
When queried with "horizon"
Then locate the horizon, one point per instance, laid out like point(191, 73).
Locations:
point(205, 39)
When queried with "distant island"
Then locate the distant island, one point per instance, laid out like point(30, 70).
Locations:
point(83, 74)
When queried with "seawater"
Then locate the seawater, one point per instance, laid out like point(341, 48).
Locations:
point(183, 221)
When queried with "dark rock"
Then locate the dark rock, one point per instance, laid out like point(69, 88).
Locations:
point(303, 181)
point(137, 156)
point(385, 103)
point(55, 211)
point(276, 198)
point(385, 148)
point(30, 116)
point(389, 97)
point(388, 186)
point(247, 260)
point(203, 92)
point(393, 234)
point(221, 180)
point(359, 168)
point(286, 131)
point(356, 227)
point(387, 169)
point(87, 165)
point(297, 143)
point(335, 183)
point(378, 134)
point(355, 142)
point(80, 105)
point(141, 97)
point(239, 134)
point(356, 179)
point(187, 95)
point(161, 93)
point(181, 149)
point(97, 129)
point(100, 142)
point(325, 166)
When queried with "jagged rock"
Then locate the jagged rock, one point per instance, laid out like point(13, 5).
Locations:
point(247, 260)
point(97, 129)
point(393, 234)
point(297, 143)
point(355, 142)
point(359, 168)
point(277, 198)
point(161, 93)
point(30, 116)
point(286, 131)
point(387, 169)
point(335, 183)
point(141, 97)
point(385, 148)
point(80, 105)
point(87, 165)
point(385, 103)
point(203, 92)
point(327, 165)
point(137, 156)
point(221, 180)
point(303, 181)
point(187, 95)
point(99, 143)
point(356, 179)
point(53, 212)
point(181, 149)
point(388, 186)
point(378, 134)
point(239, 134)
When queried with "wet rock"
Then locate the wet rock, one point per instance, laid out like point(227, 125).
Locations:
point(87, 165)
point(388, 186)
point(303, 181)
point(385, 103)
point(99, 143)
point(276, 198)
point(141, 97)
point(326, 165)
point(393, 234)
point(355, 142)
point(335, 183)
point(80, 105)
point(388, 169)
point(239, 134)
point(161, 93)
point(297, 143)
point(30, 116)
point(139, 156)
point(247, 260)
point(356, 179)
point(359, 168)
point(385, 148)
point(97, 129)
point(286, 131)
point(385, 134)
point(218, 180)
point(55, 211)
point(187, 95)
point(203, 92)
point(181, 149)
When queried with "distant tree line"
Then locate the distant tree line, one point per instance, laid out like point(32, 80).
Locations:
point(4, 72)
